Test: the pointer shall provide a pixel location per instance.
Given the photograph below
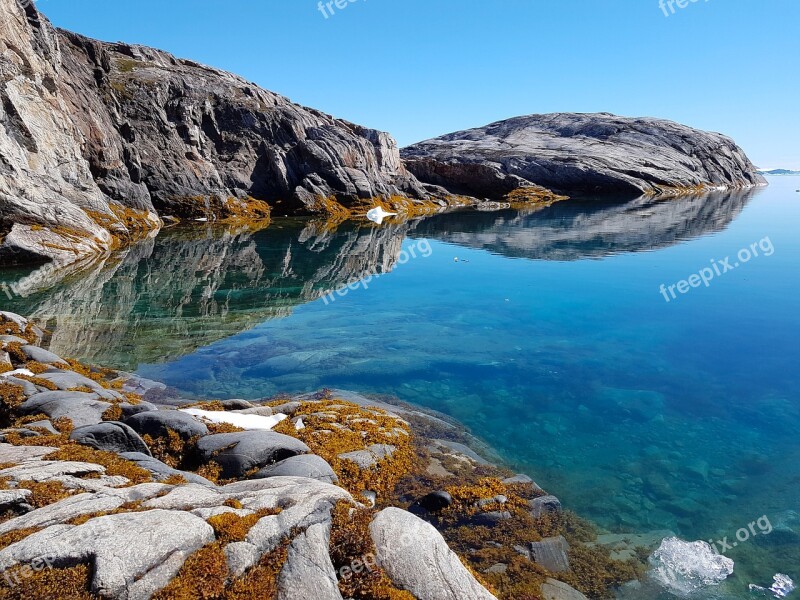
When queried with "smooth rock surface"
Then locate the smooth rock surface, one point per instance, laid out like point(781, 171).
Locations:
point(239, 453)
point(580, 153)
point(158, 422)
point(111, 436)
point(308, 571)
point(79, 407)
point(311, 465)
point(417, 559)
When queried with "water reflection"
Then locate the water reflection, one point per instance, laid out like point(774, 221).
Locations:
point(189, 287)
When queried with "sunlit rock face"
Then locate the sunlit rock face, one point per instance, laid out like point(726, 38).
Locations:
point(99, 140)
point(581, 153)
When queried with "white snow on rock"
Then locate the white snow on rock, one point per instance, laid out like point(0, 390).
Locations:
point(248, 422)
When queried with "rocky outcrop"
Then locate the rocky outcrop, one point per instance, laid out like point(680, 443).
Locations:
point(98, 140)
point(581, 154)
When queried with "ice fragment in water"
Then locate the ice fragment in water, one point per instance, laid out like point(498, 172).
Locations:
point(685, 567)
point(782, 586)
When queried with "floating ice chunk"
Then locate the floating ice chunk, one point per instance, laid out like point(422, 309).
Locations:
point(249, 422)
point(377, 215)
point(781, 587)
point(686, 567)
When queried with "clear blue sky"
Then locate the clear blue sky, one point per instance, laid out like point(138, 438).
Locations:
point(421, 68)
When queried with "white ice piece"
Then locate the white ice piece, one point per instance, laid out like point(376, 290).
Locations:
point(377, 215)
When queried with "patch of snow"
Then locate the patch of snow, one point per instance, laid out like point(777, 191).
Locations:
point(249, 422)
point(18, 372)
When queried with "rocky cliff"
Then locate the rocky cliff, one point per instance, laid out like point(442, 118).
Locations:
point(582, 153)
point(99, 141)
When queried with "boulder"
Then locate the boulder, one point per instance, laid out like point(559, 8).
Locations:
point(557, 590)
point(544, 505)
point(69, 380)
point(310, 465)
point(43, 356)
point(308, 571)
point(581, 153)
point(371, 456)
point(133, 554)
point(157, 423)
point(240, 453)
point(431, 503)
point(417, 559)
point(551, 553)
point(161, 471)
point(79, 407)
point(111, 436)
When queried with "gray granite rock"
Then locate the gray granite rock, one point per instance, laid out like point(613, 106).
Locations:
point(557, 590)
point(79, 407)
point(43, 470)
point(309, 465)
point(369, 457)
point(11, 499)
point(43, 356)
point(157, 423)
point(133, 554)
point(544, 505)
point(308, 571)
point(417, 559)
point(69, 508)
point(580, 153)
point(68, 380)
point(551, 553)
point(111, 436)
point(153, 133)
point(161, 471)
point(239, 453)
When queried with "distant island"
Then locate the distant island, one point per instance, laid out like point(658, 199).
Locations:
point(779, 172)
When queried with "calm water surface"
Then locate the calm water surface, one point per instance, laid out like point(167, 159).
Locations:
point(549, 338)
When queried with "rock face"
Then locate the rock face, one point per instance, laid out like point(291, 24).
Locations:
point(98, 140)
point(417, 559)
point(581, 153)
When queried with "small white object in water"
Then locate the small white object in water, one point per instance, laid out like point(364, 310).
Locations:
point(455, 259)
point(685, 567)
point(249, 422)
point(781, 587)
point(377, 215)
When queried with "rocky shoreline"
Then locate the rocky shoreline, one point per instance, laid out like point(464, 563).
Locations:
point(113, 486)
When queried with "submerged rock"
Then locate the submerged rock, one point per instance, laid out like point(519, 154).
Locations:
point(583, 153)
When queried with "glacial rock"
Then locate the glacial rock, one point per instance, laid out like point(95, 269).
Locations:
point(417, 559)
point(311, 465)
point(551, 553)
point(133, 554)
point(122, 134)
point(79, 407)
point(553, 589)
point(157, 423)
point(371, 456)
point(161, 471)
point(239, 453)
point(308, 571)
point(581, 153)
point(544, 505)
point(110, 436)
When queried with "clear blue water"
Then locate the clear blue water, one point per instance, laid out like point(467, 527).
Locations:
point(548, 338)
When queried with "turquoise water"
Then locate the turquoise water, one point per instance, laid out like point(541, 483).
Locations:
point(549, 338)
